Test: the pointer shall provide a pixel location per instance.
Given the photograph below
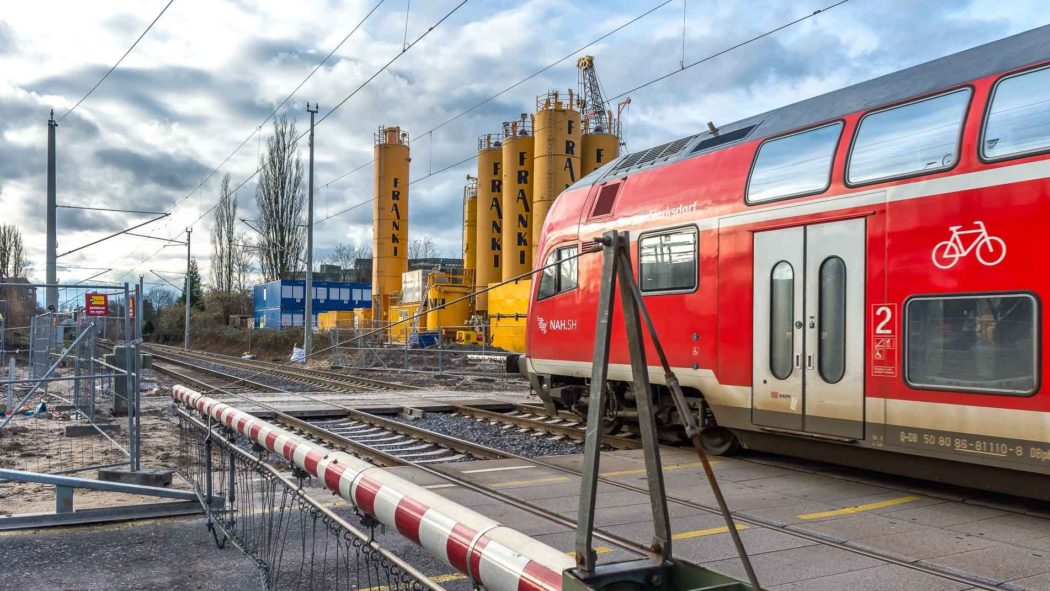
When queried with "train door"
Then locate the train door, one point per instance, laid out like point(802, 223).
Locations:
point(808, 329)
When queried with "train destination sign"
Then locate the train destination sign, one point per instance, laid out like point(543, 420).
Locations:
point(96, 304)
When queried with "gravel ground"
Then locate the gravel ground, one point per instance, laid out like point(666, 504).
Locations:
point(509, 440)
point(264, 377)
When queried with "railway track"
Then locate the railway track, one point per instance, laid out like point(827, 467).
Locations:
point(531, 418)
point(327, 380)
point(386, 442)
point(362, 449)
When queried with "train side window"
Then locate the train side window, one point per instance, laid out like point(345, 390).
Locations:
point(977, 343)
point(781, 320)
point(794, 165)
point(667, 261)
point(1018, 121)
point(831, 351)
point(915, 138)
point(559, 273)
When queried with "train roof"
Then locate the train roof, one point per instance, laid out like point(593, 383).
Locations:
point(1005, 54)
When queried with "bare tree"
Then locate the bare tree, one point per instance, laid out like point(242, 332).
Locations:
point(13, 261)
point(346, 256)
point(242, 268)
point(422, 248)
point(161, 297)
point(226, 250)
point(279, 196)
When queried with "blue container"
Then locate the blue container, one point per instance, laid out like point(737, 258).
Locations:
point(423, 339)
point(281, 304)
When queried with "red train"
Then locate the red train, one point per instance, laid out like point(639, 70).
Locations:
point(854, 274)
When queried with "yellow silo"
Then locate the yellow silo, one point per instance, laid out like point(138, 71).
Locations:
point(557, 163)
point(390, 217)
point(598, 150)
point(490, 214)
point(518, 160)
point(470, 224)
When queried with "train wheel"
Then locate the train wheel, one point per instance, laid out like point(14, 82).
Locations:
point(719, 441)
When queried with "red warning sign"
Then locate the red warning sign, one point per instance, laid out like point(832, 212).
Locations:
point(884, 340)
point(96, 304)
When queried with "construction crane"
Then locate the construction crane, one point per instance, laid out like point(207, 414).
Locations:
point(596, 118)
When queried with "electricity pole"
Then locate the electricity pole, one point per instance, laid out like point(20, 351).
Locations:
point(188, 291)
point(308, 327)
point(51, 297)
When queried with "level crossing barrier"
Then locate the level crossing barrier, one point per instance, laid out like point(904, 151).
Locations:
point(492, 554)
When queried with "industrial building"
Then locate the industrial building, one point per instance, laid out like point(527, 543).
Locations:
point(521, 171)
point(281, 304)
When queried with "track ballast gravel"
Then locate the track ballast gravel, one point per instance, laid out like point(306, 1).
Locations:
point(494, 436)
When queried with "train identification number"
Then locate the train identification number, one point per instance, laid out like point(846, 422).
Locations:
point(884, 340)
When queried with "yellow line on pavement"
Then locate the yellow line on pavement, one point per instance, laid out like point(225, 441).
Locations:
point(550, 479)
point(697, 533)
point(859, 508)
point(513, 483)
point(668, 468)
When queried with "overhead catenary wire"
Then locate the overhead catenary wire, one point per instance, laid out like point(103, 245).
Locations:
point(609, 101)
point(114, 67)
point(475, 293)
point(727, 50)
point(598, 39)
point(258, 129)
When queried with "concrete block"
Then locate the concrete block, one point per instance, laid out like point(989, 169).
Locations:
point(88, 430)
point(142, 477)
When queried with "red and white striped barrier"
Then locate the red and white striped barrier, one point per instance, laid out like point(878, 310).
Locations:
point(494, 555)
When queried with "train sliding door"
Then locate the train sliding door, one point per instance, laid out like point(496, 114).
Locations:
point(808, 356)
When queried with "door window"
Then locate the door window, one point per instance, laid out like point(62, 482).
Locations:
point(832, 320)
point(782, 320)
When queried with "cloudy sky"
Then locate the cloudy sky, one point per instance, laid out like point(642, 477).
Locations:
point(210, 71)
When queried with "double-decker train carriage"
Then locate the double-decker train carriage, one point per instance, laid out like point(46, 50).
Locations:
point(853, 277)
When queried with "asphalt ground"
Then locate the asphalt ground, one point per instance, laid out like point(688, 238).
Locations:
point(1003, 540)
point(1000, 540)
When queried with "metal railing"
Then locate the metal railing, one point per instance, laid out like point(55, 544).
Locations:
point(295, 541)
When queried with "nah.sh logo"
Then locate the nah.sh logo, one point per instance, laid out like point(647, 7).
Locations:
point(562, 324)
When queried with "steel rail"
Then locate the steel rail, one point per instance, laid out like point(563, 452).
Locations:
point(454, 443)
point(315, 376)
point(208, 370)
point(391, 461)
point(574, 433)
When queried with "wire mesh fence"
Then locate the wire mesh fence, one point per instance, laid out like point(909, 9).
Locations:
point(296, 542)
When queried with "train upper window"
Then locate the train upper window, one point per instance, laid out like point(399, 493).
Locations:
point(667, 261)
point(911, 139)
point(976, 343)
point(559, 274)
point(1018, 121)
point(794, 165)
